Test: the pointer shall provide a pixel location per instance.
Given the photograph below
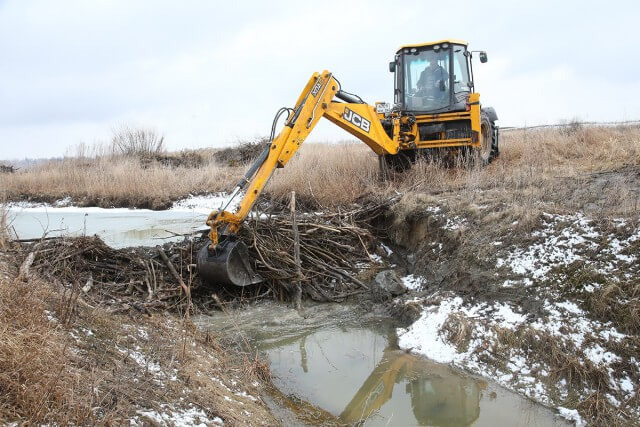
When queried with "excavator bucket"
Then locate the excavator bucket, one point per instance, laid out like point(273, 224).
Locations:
point(228, 264)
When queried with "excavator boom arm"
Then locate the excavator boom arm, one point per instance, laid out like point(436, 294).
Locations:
point(315, 101)
point(224, 260)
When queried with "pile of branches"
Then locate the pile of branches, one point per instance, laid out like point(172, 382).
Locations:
point(184, 159)
point(7, 168)
point(337, 251)
point(243, 152)
point(94, 273)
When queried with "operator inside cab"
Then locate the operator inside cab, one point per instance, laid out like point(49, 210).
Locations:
point(433, 79)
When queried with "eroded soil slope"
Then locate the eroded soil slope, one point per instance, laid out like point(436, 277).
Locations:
point(545, 300)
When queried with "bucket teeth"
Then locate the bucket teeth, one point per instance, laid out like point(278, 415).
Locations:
point(228, 264)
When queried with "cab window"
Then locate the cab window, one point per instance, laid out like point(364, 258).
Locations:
point(460, 71)
point(426, 83)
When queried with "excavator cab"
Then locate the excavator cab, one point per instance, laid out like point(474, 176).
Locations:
point(434, 91)
point(433, 78)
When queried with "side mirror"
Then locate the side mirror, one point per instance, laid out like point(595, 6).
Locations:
point(392, 66)
point(483, 57)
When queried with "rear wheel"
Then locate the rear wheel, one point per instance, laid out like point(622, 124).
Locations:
point(486, 135)
point(400, 162)
point(489, 142)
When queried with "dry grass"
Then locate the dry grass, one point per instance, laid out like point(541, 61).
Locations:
point(457, 329)
point(568, 364)
point(36, 383)
point(63, 362)
point(4, 228)
point(531, 158)
point(327, 175)
point(592, 169)
point(543, 168)
point(115, 181)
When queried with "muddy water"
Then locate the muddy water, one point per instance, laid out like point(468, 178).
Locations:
point(117, 227)
point(348, 363)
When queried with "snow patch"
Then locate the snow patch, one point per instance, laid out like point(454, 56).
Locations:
point(454, 223)
point(178, 417)
point(626, 385)
point(376, 258)
point(412, 282)
point(424, 335)
point(571, 415)
point(387, 249)
point(560, 245)
point(510, 319)
point(600, 356)
point(206, 203)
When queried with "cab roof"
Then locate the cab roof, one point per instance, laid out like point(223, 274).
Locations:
point(452, 41)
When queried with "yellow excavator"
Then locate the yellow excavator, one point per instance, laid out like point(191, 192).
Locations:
point(435, 107)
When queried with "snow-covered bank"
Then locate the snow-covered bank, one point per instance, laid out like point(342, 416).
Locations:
point(561, 325)
point(204, 204)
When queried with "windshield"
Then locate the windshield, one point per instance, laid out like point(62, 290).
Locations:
point(460, 72)
point(427, 80)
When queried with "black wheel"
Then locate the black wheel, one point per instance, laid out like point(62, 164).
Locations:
point(489, 142)
point(486, 140)
point(400, 162)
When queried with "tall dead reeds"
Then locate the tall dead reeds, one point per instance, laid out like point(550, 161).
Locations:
point(36, 381)
point(4, 228)
point(327, 175)
point(536, 167)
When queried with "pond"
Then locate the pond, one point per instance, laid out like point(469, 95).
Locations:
point(348, 363)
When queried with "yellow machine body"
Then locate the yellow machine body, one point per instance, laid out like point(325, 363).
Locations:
point(388, 132)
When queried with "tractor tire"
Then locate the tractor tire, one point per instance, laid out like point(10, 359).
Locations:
point(489, 148)
point(400, 162)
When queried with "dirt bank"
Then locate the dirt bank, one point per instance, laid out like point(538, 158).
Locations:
point(546, 300)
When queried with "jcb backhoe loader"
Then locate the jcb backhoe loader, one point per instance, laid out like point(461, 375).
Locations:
point(435, 107)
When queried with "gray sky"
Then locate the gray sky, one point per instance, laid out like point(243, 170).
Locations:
point(207, 73)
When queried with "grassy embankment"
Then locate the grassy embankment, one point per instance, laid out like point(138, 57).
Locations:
point(63, 361)
point(553, 169)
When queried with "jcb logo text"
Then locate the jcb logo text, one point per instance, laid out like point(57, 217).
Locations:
point(356, 119)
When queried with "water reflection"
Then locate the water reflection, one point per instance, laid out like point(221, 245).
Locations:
point(359, 375)
point(437, 397)
point(350, 366)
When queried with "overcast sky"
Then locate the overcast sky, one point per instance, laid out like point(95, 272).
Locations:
point(207, 73)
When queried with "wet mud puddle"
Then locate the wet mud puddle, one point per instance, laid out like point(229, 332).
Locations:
point(349, 365)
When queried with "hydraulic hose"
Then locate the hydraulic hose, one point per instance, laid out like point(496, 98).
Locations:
point(254, 167)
